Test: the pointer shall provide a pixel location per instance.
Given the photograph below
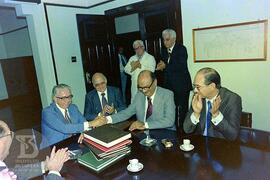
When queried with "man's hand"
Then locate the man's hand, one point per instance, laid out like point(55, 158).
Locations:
point(135, 65)
point(108, 109)
point(161, 66)
point(215, 106)
point(57, 159)
point(197, 105)
point(137, 125)
point(80, 140)
point(98, 121)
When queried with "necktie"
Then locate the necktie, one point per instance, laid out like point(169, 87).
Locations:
point(123, 60)
point(208, 118)
point(149, 108)
point(104, 100)
point(67, 116)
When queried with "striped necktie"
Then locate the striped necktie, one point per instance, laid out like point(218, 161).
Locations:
point(68, 120)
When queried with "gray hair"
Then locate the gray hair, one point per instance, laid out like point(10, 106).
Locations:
point(169, 32)
point(59, 86)
point(140, 42)
point(100, 75)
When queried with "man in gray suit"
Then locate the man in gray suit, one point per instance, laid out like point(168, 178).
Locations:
point(215, 111)
point(154, 106)
point(53, 163)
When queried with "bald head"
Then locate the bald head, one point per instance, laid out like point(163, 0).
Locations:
point(5, 140)
point(147, 83)
point(99, 82)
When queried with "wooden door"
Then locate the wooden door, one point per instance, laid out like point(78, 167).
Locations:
point(97, 48)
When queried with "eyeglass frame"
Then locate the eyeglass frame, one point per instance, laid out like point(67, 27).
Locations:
point(135, 49)
point(198, 87)
point(65, 97)
point(11, 134)
point(145, 88)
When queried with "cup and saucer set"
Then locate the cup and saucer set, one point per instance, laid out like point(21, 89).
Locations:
point(134, 165)
point(186, 146)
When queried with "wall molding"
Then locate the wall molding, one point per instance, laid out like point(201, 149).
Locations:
point(14, 30)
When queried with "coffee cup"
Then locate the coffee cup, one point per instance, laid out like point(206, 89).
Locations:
point(134, 163)
point(186, 143)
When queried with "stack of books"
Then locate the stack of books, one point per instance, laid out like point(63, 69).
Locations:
point(107, 145)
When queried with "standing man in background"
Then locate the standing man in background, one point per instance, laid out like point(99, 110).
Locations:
point(176, 74)
point(123, 75)
point(137, 63)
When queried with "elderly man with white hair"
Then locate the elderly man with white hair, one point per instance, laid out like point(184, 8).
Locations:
point(137, 63)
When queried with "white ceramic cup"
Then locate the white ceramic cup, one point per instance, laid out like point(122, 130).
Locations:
point(186, 143)
point(134, 163)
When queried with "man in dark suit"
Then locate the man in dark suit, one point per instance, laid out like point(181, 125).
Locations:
point(176, 74)
point(215, 111)
point(62, 119)
point(53, 163)
point(103, 100)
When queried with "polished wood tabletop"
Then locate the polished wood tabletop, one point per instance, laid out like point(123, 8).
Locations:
point(211, 158)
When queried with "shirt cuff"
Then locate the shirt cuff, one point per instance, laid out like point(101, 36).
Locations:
point(109, 119)
point(86, 126)
point(43, 167)
point(146, 125)
point(217, 119)
point(193, 119)
point(55, 172)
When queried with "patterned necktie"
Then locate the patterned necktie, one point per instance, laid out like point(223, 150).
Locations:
point(67, 116)
point(169, 55)
point(149, 108)
point(104, 100)
point(123, 60)
point(208, 118)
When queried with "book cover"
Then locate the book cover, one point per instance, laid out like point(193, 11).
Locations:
point(105, 149)
point(107, 135)
point(89, 160)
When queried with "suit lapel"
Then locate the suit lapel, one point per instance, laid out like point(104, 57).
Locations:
point(59, 113)
point(156, 102)
point(97, 102)
point(109, 95)
point(203, 116)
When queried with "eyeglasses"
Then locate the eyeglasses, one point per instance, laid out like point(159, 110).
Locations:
point(137, 48)
point(146, 88)
point(65, 97)
point(167, 39)
point(99, 84)
point(11, 134)
point(198, 87)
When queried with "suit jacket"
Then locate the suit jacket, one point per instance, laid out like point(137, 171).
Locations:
point(163, 115)
point(28, 172)
point(147, 63)
point(54, 126)
point(230, 107)
point(93, 106)
point(176, 74)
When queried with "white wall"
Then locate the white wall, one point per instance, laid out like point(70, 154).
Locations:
point(248, 79)
point(17, 43)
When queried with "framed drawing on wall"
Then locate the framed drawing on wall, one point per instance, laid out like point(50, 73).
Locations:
point(233, 42)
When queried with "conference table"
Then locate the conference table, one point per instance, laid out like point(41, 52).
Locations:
point(211, 158)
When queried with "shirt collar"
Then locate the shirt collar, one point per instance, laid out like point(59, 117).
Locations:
point(2, 164)
point(99, 93)
point(171, 48)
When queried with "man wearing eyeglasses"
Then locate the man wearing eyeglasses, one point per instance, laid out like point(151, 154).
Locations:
point(103, 100)
point(215, 111)
point(53, 163)
point(176, 74)
point(62, 118)
point(154, 106)
point(137, 63)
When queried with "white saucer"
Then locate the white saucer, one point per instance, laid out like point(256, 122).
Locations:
point(140, 167)
point(191, 147)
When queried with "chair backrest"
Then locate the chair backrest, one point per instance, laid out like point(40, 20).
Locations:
point(246, 119)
